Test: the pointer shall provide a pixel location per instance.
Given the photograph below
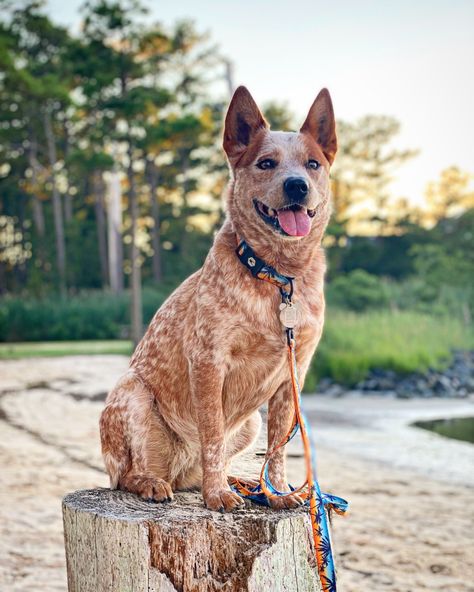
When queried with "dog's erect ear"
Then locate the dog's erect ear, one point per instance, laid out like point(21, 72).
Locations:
point(321, 125)
point(242, 121)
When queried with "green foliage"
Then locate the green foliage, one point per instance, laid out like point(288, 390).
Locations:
point(418, 270)
point(446, 265)
point(358, 291)
point(403, 341)
point(363, 170)
point(279, 117)
point(94, 315)
point(127, 95)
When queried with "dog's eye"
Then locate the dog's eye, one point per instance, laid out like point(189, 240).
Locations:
point(266, 163)
point(313, 164)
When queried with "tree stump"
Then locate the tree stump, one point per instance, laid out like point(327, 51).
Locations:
point(116, 542)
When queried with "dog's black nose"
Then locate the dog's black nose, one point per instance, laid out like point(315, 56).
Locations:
point(296, 189)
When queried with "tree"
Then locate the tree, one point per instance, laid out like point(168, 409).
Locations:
point(451, 195)
point(362, 171)
point(37, 83)
point(279, 116)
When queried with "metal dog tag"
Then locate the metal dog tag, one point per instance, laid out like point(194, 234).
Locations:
point(288, 314)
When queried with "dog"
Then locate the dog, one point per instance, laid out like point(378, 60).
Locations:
point(215, 351)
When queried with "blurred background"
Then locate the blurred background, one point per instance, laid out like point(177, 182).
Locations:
point(112, 171)
point(111, 183)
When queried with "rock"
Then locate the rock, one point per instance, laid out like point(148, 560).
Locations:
point(456, 381)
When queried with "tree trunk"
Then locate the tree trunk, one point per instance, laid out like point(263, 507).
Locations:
point(155, 235)
point(67, 195)
point(98, 189)
point(184, 247)
point(3, 277)
point(67, 206)
point(115, 542)
point(229, 77)
point(38, 214)
point(136, 299)
point(57, 205)
point(114, 221)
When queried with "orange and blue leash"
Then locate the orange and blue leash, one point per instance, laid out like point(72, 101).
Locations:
point(317, 501)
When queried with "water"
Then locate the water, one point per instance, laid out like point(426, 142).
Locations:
point(459, 428)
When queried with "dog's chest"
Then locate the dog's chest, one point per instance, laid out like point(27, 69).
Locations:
point(256, 368)
point(258, 360)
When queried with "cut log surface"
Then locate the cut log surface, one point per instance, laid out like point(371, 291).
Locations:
point(116, 542)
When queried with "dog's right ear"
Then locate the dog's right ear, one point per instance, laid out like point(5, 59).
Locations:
point(242, 122)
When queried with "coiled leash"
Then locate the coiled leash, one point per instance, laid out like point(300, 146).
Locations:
point(313, 497)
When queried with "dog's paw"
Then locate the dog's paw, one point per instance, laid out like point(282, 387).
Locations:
point(286, 502)
point(222, 500)
point(149, 488)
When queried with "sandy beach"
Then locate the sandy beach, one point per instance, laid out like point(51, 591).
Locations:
point(411, 521)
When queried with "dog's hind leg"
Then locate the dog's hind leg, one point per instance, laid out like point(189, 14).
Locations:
point(136, 445)
point(242, 440)
point(244, 437)
point(188, 461)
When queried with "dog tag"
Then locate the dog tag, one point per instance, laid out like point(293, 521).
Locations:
point(288, 314)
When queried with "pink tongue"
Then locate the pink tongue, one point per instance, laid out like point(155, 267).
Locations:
point(294, 223)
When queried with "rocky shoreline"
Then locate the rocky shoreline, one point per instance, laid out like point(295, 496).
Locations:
point(456, 381)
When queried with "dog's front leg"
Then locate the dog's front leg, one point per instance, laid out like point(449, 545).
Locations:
point(206, 387)
point(280, 417)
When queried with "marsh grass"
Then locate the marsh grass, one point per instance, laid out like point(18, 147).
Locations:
point(403, 341)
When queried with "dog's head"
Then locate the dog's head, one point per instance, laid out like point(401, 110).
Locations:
point(280, 179)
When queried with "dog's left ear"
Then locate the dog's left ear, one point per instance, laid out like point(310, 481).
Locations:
point(242, 122)
point(321, 125)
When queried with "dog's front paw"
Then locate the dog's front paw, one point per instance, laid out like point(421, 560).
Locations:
point(286, 502)
point(149, 488)
point(222, 500)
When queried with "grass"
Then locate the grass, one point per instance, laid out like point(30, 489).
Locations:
point(352, 344)
point(402, 341)
point(12, 351)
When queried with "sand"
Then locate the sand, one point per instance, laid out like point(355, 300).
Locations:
point(410, 527)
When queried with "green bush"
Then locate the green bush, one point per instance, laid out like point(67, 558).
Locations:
point(89, 315)
point(358, 291)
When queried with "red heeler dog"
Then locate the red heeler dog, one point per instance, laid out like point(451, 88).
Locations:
point(216, 350)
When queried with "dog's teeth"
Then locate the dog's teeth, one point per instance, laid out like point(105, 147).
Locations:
point(273, 213)
point(311, 213)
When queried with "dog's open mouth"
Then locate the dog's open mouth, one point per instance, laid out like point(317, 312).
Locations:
point(292, 220)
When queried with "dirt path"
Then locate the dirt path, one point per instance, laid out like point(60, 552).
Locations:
point(406, 532)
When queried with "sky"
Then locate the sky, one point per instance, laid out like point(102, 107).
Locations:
point(413, 60)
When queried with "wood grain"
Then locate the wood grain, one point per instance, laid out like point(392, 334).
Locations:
point(116, 542)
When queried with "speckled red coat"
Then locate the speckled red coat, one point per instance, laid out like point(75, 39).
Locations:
point(215, 351)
